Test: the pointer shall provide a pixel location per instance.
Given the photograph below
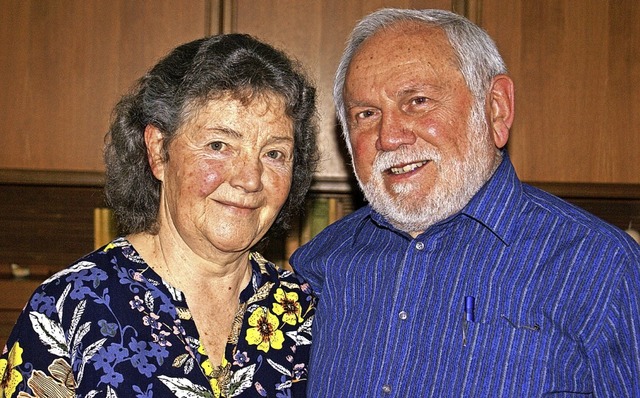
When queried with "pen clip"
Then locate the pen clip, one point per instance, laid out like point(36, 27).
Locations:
point(470, 308)
point(469, 316)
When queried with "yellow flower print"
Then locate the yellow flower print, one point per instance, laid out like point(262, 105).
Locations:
point(10, 377)
point(287, 304)
point(207, 366)
point(264, 333)
point(218, 375)
point(215, 386)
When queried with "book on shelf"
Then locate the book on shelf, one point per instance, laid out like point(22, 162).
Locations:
point(104, 230)
point(320, 212)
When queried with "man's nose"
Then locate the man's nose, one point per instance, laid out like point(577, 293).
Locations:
point(395, 131)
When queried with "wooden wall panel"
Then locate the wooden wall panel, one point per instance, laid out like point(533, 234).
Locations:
point(46, 225)
point(315, 33)
point(64, 64)
point(576, 66)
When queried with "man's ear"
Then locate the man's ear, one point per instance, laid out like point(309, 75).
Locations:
point(501, 109)
point(154, 141)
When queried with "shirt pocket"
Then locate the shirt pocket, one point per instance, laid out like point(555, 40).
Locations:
point(528, 356)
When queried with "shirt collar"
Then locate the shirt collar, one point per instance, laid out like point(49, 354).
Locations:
point(492, 206)
point(495, 204)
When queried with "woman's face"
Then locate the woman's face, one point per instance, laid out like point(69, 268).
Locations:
point(227, 174)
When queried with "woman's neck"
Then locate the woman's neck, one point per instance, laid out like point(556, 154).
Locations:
point(177, 264)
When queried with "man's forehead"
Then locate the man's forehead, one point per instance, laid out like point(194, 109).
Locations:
point(405, 40)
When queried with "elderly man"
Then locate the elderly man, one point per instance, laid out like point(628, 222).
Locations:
point(458, 280)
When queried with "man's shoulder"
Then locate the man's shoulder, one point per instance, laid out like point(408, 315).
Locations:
point(566, 216)
point(345, 227)
point(337, 234)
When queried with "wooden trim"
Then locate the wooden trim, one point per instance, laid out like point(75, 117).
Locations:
point(228, 17)
point(590, 190)
point(319, 184)
point(471, 9)
point(340, 185)
point(51, 177)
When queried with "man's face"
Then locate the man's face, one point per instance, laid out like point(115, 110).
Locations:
point(419, 140)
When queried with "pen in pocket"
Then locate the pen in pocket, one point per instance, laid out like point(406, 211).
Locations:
point(469, 316)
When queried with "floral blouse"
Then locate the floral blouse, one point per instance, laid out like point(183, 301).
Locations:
point(109, 326)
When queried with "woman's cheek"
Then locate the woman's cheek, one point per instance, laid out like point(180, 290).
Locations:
point(210, 180)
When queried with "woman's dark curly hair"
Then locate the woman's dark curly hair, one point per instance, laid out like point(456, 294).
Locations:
point(191, 75)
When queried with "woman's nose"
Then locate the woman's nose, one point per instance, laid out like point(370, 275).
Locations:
point(247, 175)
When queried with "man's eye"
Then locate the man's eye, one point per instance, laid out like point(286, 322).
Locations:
point(217, 145)
point(420, 100)
point(364, 114)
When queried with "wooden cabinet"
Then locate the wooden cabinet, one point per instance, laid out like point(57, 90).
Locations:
point(64, 64)
point(576, 65)
point(315, 32)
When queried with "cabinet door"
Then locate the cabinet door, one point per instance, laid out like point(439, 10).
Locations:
point(315, 33)
point(64, 64)
point(576, 65)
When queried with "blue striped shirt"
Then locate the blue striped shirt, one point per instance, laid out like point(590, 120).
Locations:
point(555, 302)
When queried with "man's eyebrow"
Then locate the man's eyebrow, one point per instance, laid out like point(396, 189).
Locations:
point(415, 88)
point(355, 103)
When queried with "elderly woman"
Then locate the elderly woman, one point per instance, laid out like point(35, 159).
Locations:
point(214, 149)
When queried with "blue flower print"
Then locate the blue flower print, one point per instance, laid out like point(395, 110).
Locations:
point(142, 351)
point(92, 275)
point(107, 329)
point(125, 332)
point(43, 303)
point(240, 358)
point(283, 388)
point(144, 394)
point(152, 320)
point(158, 352)
point(79, 292)
point(108, 357)
point(137, 304)
point(140, 362)
point(112, 378)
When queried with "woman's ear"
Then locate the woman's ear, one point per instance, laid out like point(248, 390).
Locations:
point(501, 108)
point(154, 141)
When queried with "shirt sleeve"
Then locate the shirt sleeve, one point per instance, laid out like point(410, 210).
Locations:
point(304, 262)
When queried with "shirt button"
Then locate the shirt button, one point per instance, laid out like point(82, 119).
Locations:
point(403, 315)
point(419, 245)
point(386, 389)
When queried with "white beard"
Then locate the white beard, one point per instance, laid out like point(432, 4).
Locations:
point(456, 182)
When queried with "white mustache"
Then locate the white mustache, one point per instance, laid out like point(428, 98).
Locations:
point(403, 156)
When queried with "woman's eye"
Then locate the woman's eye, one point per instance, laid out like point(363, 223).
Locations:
point(217, 145)
point(275, 154)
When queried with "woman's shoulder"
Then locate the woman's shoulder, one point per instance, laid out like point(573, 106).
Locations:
point(104, 263)
point(279, 277)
